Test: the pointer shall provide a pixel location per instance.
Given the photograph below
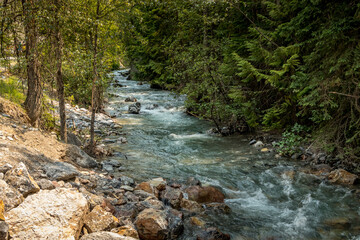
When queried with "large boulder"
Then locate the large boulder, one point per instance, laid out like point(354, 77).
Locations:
point(20, 179)
point(99, 220)
point(55, 214)
point(172, 196)
point(135, 108)
point(152, 224)
point(73, 139)
point(155, 224)
point(60, 171)
point(340, 176)
point(105, 236)
point(75, 154)
point(205, 194)
point(11, 197)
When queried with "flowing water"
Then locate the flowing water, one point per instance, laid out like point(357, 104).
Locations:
point(265, 202)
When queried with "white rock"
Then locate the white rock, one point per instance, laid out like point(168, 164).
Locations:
point(259, 144)
point(55, 214)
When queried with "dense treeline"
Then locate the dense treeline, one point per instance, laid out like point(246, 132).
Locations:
point(264, 64)
point(65, 45)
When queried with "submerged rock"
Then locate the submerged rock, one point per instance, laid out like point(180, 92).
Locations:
point(213, 234)
point(55, 214)
point(205, 194)
point(20, 179)
point(130, 99)
point(135, 108)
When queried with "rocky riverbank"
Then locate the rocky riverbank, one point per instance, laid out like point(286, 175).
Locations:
point(52, 190)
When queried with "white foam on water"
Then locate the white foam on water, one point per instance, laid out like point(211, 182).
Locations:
point(189, 136)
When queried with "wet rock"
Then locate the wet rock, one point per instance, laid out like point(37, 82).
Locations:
point(252, 142)
point(204, 194)
point(191, 181)
point(4, 230)
point(152, 224)
point(197, 222)
point(127, 181)
point(54, 214)
point(142, 195)
point(130, 99)
point(213, 234)
point(45, 184)
point(99, 220)
point(105, 236)
point(145, 186)
point(172, 196)
point(6, 167)
point(20, 179)
point(289, 174)
point(191, 206)
point(338, 223)
point(321, 170)
point(60, 171)
point(176, 224)
point(118, 85)
point(75, 154)
point(158, 183)
point(218, 207)
point(258, 144)
point(73, 139)
point(135, 108)
point(126, 231)
point(340, 176)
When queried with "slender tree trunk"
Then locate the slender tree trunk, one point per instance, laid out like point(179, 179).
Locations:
point(59, 77)
point(34, 93)
point(93, 99)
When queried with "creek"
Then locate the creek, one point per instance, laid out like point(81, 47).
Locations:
point(163, 141)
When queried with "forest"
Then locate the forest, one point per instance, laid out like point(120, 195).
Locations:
point(291, 67)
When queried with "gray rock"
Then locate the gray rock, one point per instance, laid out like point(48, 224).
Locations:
point(4, 229)
point(127, 181)
point(45, 184)
point(60, 171)
point(11, 197)
point(135, 108)
point(73, 139)
point(130, 99)
point(127, 188)
point(75, 154)
point(20, 179)
point(142, 194)
point(108, 168)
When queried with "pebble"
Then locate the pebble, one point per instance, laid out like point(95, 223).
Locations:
point(259, 144)
point(10, 138)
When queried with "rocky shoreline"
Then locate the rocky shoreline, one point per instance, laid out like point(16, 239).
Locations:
point(78, 197)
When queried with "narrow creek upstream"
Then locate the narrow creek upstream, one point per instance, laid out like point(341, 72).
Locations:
point(163, 141)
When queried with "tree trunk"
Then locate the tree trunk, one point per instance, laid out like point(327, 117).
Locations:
point(34, 93)
point(59, 76)
point(93, 100)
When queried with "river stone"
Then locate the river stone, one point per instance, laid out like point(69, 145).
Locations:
point(75, 154)
point(49, 214)
point(99, 220)
point(20, 179)
point(191, 206)
point(6, 167)
point(130, 99)
point(197, 222)
point(135, 108)
point(158, 183)
point(60, 171)
point(341, 176)
point(11, 197)
point(45, 184)
point(126, 231)
point(204, 194)
point(213, 234)
point(127, 181)
point(338, 223)
point(172, 196)
point(258, 144)
point(73, 139)
point(4, 230)
point(152, 224)
point(105, 236)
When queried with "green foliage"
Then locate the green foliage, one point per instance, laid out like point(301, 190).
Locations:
point(292, 140)
point(10, 88)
